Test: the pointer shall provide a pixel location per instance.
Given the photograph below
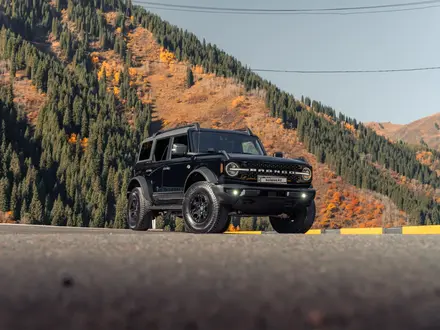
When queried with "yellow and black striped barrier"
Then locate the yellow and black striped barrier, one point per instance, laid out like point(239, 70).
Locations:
point(406, 230)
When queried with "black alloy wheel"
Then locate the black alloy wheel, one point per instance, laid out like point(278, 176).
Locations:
point(202, 210)
point(200, 207)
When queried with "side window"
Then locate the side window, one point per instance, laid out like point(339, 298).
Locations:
point(145, 151)
point(182, 139)
point(161, 150)
point(249, 148)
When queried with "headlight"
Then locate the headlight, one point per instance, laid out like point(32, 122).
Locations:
point(307, 174)
point(232, 169)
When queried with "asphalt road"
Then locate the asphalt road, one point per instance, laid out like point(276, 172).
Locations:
point(53, 278)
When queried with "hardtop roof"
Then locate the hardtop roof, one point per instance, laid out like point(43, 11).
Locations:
point(193, 127)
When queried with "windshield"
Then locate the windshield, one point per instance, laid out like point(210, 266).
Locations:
point(229, 142)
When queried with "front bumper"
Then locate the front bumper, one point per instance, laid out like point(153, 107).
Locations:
point(263, 201)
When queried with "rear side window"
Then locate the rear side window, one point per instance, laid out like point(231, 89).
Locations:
point(145, 151)
point(161, 149)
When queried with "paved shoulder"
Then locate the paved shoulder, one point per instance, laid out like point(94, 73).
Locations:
point(163, 281)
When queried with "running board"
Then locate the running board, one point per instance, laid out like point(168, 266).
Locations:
point(167, 198)
point(165, 207)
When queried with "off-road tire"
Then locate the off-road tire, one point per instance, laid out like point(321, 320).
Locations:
point(226, 226)
point(141, 217)
point(202, 211)
point(301, 221)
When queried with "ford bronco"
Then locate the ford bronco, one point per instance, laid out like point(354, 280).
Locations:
point(208, 175)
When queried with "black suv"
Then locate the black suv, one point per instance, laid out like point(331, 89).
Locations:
point(207, 175)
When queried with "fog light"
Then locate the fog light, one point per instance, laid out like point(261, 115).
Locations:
point(303, 195)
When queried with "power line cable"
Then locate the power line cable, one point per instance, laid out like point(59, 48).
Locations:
point(284, 10)
point(349, 71)
point(292, 13)
point(329, 71)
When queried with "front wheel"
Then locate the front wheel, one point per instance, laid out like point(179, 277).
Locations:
point(300, 222)
point(140, 215)
point(202, 211)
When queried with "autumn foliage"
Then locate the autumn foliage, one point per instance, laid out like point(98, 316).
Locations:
point(232, 228)
point(167, 56)
point(73, 140)
point(237, 102)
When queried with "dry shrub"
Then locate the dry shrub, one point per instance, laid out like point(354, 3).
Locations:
point(238, 101)
point(194, 99)
point(232, 90)
point(198, 69)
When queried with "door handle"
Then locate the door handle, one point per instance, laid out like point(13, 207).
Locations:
point(149, 171)
point(166, 168)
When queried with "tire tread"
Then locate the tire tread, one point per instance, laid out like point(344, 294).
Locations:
point(297, 227)
point(145, 214)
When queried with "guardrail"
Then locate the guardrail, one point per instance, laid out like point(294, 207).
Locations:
point(407, 230)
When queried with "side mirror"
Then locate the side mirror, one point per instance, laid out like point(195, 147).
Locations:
point(278, 154)
point(179, 149)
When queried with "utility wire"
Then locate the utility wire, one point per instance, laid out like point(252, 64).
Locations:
point(285, 10)
point(328, 71)
point(349, 71)
point(296, 10)
point(290, 13)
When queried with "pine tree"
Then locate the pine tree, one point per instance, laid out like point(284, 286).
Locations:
point(57, 213)
point(35, 208)
point(24, 216)
point(128, 60)
point(121, 213)
point(67, 118)
point(55, 28)
point(4, 194)
point(13, 70)
point(15, 203)
point(189, 78)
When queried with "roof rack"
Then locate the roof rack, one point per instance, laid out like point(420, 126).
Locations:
point(247, 130)
point(194, 125)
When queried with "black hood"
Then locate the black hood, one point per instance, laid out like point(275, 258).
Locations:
point(265, 159)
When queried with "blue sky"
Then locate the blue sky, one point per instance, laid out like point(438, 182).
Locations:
point(321, 42)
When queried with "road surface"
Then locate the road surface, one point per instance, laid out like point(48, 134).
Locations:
point(58, 278)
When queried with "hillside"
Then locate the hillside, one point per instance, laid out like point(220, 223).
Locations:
point(423, 131)
point(384, 129)
point(102, 77)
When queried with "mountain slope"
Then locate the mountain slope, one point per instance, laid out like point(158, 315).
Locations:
point(384, 129)
point(129, 70)
point(425, 130)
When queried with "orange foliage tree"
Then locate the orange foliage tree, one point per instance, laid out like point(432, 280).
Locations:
point(167, 56)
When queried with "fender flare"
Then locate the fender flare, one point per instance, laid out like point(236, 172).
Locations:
point(145, 186)
point(203, 171)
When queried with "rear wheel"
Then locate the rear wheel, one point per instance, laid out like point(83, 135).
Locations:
point(140, 215)
point(300, 222)
point(202, 211)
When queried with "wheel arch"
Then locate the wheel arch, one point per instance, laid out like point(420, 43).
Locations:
point(140, 181)
point(198, 175)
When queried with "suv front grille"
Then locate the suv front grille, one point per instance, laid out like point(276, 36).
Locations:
point(271, 169)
